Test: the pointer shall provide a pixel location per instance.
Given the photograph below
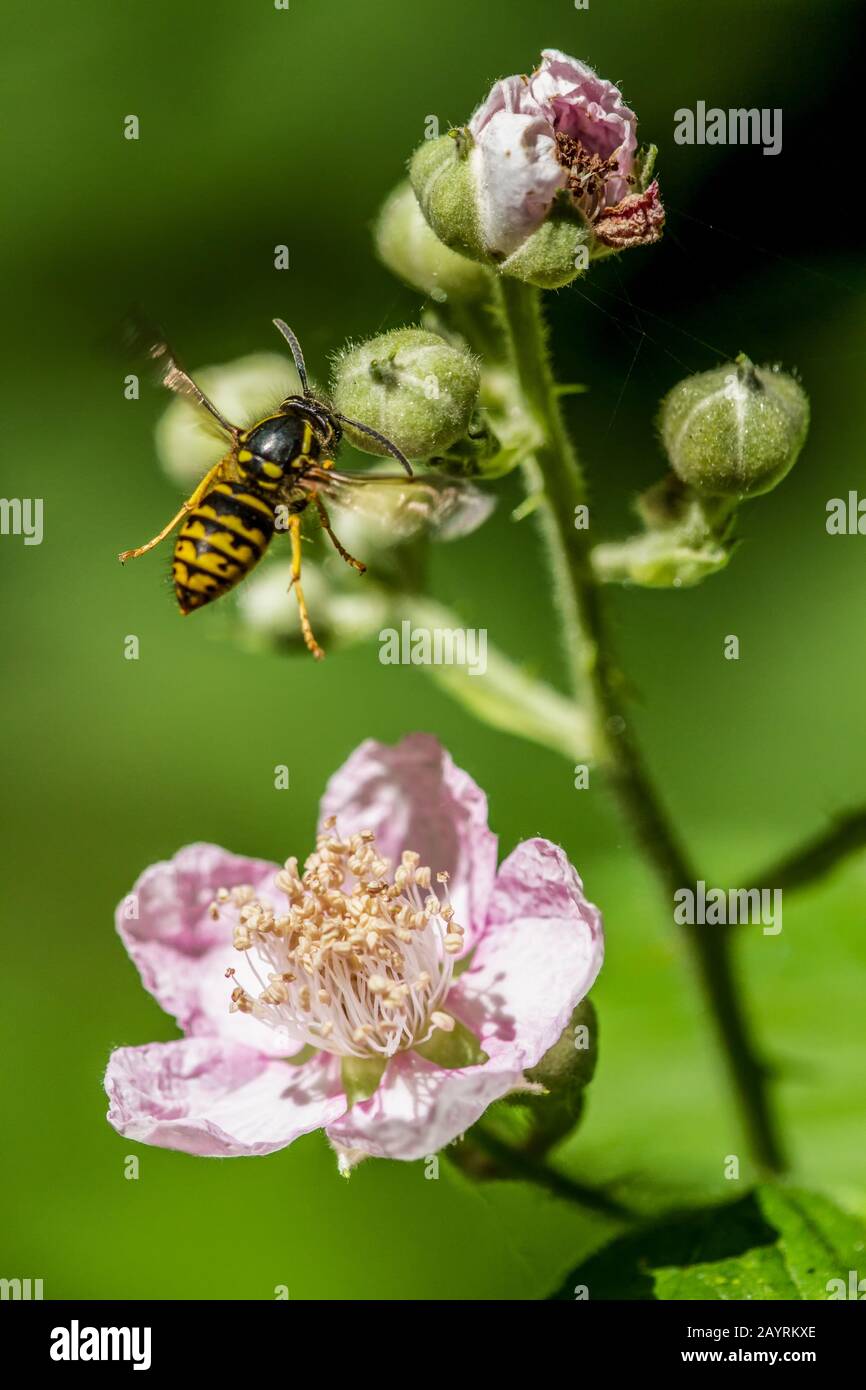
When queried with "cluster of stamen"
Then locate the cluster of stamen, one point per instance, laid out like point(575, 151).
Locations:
point(360, 963)
point(588, 173)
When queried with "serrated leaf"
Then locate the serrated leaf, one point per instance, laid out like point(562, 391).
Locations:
point(776, 1243)
point(818, 1240)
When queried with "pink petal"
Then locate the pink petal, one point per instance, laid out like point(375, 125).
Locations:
point(517, 176)
point(182, 953)
point(419, 1107)
point(414, 797)
point(216, 1099)
point(511, 94)
point(579, 103)
point(539, 955)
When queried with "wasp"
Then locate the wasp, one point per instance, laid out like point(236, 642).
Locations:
point(274, 470)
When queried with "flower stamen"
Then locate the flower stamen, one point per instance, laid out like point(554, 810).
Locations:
point(360, 964)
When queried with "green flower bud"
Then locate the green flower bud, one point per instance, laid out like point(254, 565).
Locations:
point(564, 1072)
point(245, 389)
point(412, 387)
point(411, 249)
point(570, 1064)
point(446, 187)
point(735, 431)
point(442, 177)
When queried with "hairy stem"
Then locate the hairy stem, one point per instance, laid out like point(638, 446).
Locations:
point(597, 681)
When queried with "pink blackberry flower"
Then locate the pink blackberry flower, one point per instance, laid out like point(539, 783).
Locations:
point(561, 130)
point(327, 998)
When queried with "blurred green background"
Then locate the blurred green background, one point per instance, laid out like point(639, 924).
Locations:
point(260, 127)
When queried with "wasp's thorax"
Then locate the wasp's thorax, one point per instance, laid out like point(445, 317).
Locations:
point(360, 963)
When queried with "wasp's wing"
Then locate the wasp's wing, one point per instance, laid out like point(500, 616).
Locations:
point(402, 507)
point(149, 343)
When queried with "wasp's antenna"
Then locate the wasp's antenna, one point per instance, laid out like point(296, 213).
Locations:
point(296, 352)
point(380, 439)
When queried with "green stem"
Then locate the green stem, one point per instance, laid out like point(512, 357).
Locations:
point(818, 856)
point(515, 1163)
point(596, 679)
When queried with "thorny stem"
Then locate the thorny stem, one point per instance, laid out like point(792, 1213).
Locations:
point(597, 682)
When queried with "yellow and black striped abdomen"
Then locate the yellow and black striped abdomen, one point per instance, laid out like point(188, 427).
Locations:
point(220, 542)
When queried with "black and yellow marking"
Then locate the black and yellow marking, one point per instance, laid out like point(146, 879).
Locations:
point(220, 542)
point(262, 473)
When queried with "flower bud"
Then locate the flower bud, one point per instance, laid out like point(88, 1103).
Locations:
point(546, 176)
point(735, 431)
point(444, 183)
point(245, 389)
point(410, 249)
point(569, 1065)
point(412, 387)
point(562, 1075)
point(444, 178)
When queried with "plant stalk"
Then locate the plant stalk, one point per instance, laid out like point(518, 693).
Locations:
point(597, 682)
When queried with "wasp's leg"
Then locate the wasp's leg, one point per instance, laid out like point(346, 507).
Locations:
point(306, 628)
point(340, 549)
point(189, 505)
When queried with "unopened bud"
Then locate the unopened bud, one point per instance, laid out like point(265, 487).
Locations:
point(735, 431)
point(443, 178)
point(412, 387)
point(411, 249)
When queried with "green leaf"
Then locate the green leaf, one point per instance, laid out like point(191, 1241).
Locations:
point(361, 1076)
point(819, 1241)
point(644, 166)
point(459, 1048)
point(776, 1243)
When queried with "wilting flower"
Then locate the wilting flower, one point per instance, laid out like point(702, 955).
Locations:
point(549, 164)
point(328, 997)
